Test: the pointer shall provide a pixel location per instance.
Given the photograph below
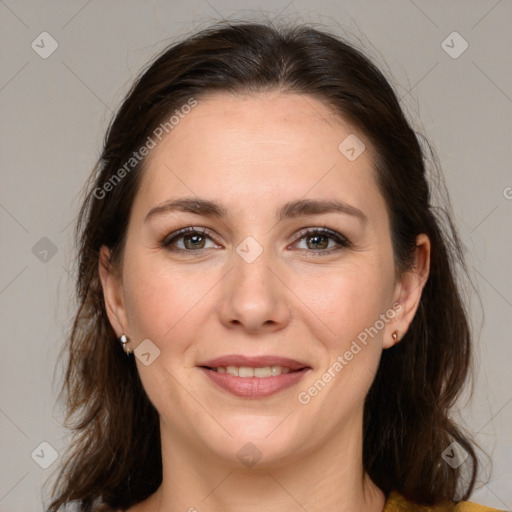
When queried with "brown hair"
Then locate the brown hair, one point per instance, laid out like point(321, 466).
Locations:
point(115, 458)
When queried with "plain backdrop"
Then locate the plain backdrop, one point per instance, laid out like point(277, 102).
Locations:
point(55, 107)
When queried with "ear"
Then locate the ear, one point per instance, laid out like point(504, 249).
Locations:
point(112, 286)
point(408, 291)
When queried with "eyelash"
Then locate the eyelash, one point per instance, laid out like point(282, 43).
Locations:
point(341, 240)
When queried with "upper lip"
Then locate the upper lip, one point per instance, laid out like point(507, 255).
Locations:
point(253, 362)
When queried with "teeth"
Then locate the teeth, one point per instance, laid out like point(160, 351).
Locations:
point(247, 371)
point(278, 370)
point(263, 372)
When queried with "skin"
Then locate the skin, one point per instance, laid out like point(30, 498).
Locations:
point(253, 154)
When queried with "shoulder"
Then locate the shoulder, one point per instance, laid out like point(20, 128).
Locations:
point(397, 503)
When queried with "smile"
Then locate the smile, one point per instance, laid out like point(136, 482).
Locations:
point(254, 377)
point(246, 371)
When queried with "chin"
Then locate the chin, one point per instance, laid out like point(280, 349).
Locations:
point(260, 442)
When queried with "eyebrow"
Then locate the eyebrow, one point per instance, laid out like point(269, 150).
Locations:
point(292, 209)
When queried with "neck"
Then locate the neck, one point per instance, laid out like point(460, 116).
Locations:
point(330, 478)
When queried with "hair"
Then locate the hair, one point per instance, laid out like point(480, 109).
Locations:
point(115, 456)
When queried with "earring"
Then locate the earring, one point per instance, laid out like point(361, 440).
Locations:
point(124, 340)
point(395, 337)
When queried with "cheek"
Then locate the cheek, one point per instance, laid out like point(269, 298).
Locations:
point(350, 303)
point(160, 298)
point(347, 299)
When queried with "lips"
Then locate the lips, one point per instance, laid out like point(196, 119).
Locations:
point(253, 362)
point(285, 372)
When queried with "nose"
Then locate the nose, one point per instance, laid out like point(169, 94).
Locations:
point(254, 297)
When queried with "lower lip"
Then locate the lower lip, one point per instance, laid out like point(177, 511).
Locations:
point(254, 387)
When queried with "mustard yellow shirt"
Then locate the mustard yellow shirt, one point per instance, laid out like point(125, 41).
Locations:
point(397, 503)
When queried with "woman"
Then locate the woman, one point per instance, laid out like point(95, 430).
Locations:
point(259, 238)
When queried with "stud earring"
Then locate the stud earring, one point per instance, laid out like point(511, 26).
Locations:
point(124, 340)
point(395, 337)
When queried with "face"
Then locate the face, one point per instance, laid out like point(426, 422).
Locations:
point(271, 278)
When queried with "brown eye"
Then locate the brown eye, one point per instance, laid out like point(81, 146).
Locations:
point(188, 240)
point(322, 241)
point(317, 242)
point(194, 241)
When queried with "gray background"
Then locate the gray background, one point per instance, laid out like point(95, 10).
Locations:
point(54, 112)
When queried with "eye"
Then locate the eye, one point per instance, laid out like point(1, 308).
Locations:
point(317, 240)
point(322, 241)
point(188, 239)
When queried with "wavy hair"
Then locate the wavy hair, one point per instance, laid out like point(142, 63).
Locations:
point(115, 456)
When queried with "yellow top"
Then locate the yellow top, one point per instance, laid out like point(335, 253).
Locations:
point(397, 503)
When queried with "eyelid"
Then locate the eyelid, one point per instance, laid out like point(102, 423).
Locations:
point(323, 231)
point(180, 233)
point(341, 240)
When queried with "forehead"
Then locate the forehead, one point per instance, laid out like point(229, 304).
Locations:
point(258, 147)
point(273, 121)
